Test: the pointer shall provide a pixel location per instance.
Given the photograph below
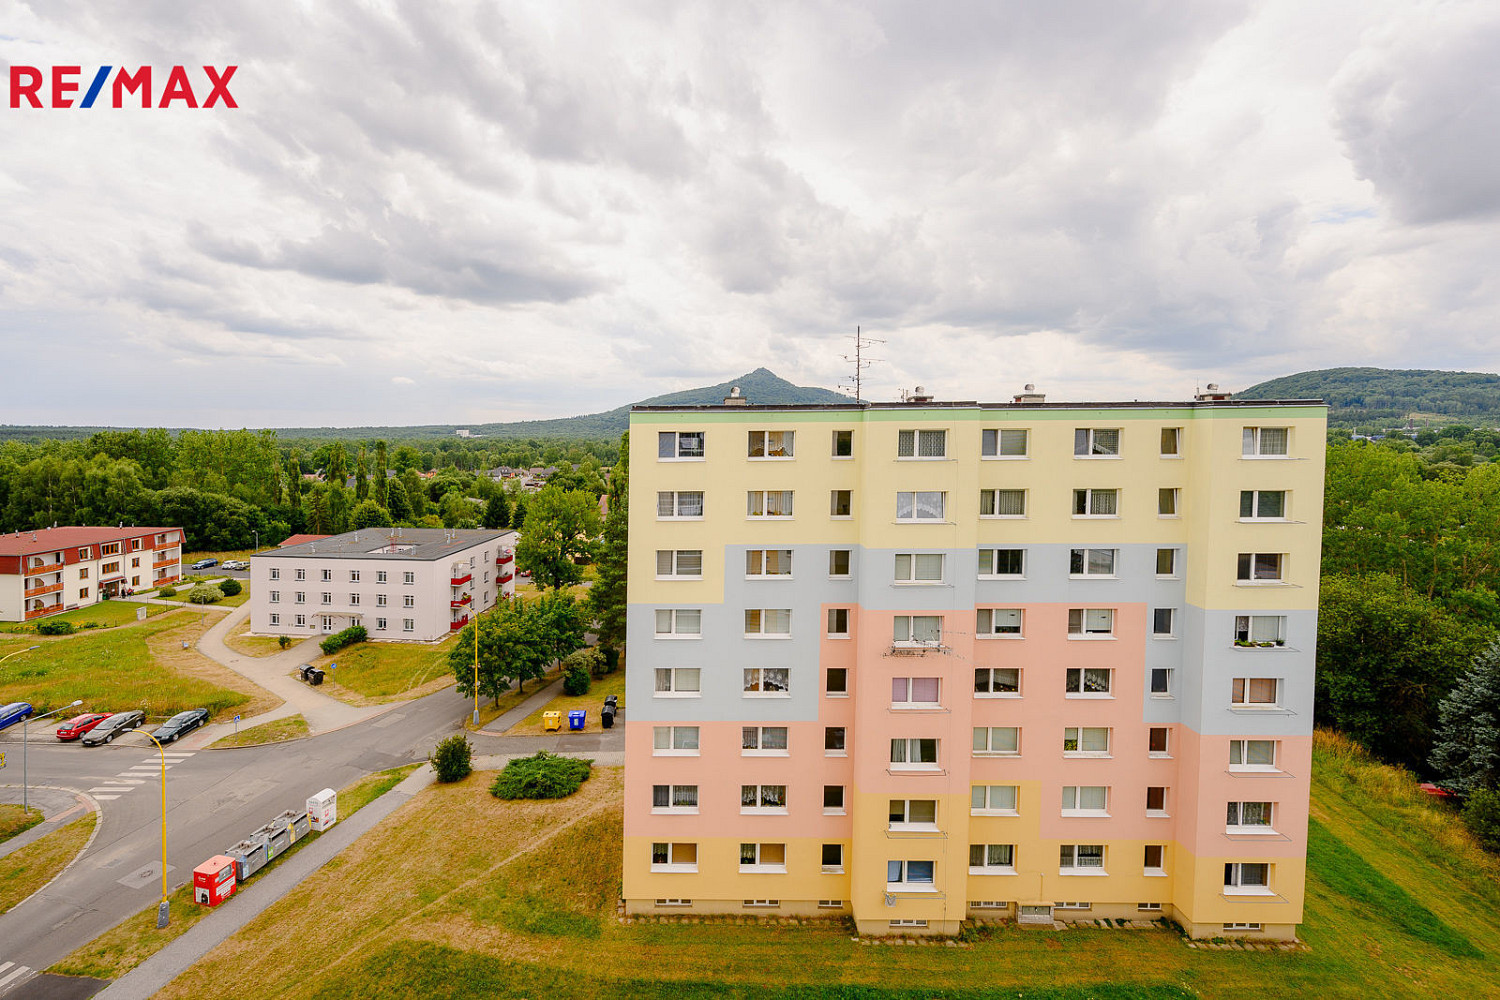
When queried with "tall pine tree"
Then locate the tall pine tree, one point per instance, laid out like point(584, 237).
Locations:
point(1466, 752)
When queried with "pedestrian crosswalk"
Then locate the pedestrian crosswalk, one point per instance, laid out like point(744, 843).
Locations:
point(13, 975)
point(148, 770)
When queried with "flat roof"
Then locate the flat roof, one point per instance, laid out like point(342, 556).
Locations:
point(23, 543)
point(1135, 404)
point(397, 544)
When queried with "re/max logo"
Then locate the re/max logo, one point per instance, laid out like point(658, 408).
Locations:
point(26, 84)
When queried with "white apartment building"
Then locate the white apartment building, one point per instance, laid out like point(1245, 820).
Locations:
point(52, 570)
point(401, 584)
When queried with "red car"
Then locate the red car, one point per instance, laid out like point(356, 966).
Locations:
point(77, 726)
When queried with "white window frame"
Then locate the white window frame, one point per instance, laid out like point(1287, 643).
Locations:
point(275, 597)
point(837, 617)
point(678, 679)
point(1244, 704)
point(1088, 442)
point(672, 617)
point(1089, 495)
point(408, 624)
point(380, 576)
point(301, 574)
point(1250, 631)
point(760, 866)
point(990, 498)
point(1255, 516)
point(984, 743)
point(680, 446)
point(327, 597)
point(838, 498)
point(759, 749)
point(1072, 860)
point(1085, 801)
point(675, 502)
point(1236, 814)
point(301, 621)
point(380, 600)
point(275, 573)
point(275, 619)
point(913, 501)
point(1000, 623)
point(1082, 677)
point(1089, 628)
point(1243, 747)
point(989, 561)
point(1086, 741)
point(914, 561)
point(408, 600)
point(1176, 558)
point(327, 576)
point(828, 867)
point(994, 800)
point(1084, 559)
point(759, 794)
point(1166, 675)
point(908, 825)
point(1253, 446)
point(917, 443)
point(677, 740)
point(1162, 811)
point(1166, 752)
point(674, 864)
point(909, 880)
point(1168, 502)
point(903, 689)
point(760, 619)
point(673, 808)
point(834, 447)
point(848, 563)
point(1236, 883)
point(906, 747)
point(989, 682)
point(757, 502)
point(989, 864)
point(910, 641)
point(839, 809)
point(992, 444)
point(759, 561)
point(381, 624)
point(1171, 623)
point(785, 443)
point(1176, 439)
point(675, 559)
point(757, 684)
point(408, 578)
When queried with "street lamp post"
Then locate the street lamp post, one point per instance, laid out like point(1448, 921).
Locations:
point(163, 912)
point(25, 726)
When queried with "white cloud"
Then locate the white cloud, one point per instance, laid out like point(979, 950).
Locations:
point(551, 209)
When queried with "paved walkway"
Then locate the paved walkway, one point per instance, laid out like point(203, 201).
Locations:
point(500, 723)
point(172, 961)
point(59, 806)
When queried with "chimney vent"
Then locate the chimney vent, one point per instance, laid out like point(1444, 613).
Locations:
point(1029, 395)
point(734, 398)
point(1212, 394)
point(917, 395)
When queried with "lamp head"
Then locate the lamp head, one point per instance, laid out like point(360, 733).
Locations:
point(76, 703)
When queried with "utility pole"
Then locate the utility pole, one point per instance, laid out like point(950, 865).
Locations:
point(860, 362)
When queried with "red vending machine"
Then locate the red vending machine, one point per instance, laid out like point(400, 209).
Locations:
point(213, 881)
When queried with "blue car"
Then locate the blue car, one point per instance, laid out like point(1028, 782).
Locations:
point(14, 713)
point(204, 564)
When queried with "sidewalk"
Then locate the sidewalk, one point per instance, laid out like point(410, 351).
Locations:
point(500, 723)
point(172, 961)
point(59, 807)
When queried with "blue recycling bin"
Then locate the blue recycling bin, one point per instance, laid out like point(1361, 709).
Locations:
point(577, 718)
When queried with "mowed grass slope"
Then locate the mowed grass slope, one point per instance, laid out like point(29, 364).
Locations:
point(370, 673)
point(459, 895)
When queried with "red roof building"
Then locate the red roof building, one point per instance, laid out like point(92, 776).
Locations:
point(51, 570)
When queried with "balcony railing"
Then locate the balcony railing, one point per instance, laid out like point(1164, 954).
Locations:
point(459, 581)
point(50, 609)
point(461, 602)
point(504, 558)
point(458, 623)
point(50, 588)
point(161, 563)
point(44, 567)
point(505, 577)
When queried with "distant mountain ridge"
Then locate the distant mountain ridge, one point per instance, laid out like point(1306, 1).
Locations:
point(1387, 396)
point(759, 386)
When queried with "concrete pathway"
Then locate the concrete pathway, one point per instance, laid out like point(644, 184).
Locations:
point(500, 723)
point(172, 961)
point(59, 806)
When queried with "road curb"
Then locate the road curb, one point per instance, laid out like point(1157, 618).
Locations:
point(98, 825)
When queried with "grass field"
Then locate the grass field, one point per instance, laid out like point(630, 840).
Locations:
point(25, 871)
point(491, 710)
point(372, 673)
point(135, 939)
point(15, 821)
point(592, 702)
point(255, 645)
point(181, 597)
point(105, 614)
point(517, 900)
point(147, 668)
point(276, 731)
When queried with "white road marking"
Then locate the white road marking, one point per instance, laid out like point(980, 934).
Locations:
point(106, 798)
point(128, 778)
point(13, 977)
point(111, 788)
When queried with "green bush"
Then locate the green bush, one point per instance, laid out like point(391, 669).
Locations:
point(230, 587)
point(1482, 817)
point(167, 592)
point(576, 679)
point(611, 660)
point(452, 759)
point(544, 776)
point(205, 595)
point(283, 641)
point(348, 637)
point(54, 628)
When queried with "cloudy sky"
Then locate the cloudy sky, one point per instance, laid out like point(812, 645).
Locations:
point(444, 212)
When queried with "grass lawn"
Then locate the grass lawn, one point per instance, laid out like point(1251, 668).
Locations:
point(371, 673)
point(105, 614)
point(33, 866)
point(516, 899)
point(592, 702)
point(135, 939)
point(181, 597)
point(491, 710)
point(241, 641)
point(15, 821)
point(276, 731)
point(147, 669)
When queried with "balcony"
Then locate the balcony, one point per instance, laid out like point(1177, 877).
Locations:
point(458, 623)
point(459, 581)
point(461, 602)
point(505, 577)
point(50, 609)
point(49, 588)
point(164, 563)
point(504, 558)
point(38, 568)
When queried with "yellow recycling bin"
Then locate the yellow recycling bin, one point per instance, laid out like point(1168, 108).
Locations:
point(551, 722)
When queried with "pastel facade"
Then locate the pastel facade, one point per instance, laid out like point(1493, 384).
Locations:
point(923, 663)
point(401, 584)
point(52, 570)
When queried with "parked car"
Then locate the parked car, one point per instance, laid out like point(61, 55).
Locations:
point(181, 724)
point(235, 564)
point(205, 564)
point(80, 724)
point(120, 722)
point(14, 713)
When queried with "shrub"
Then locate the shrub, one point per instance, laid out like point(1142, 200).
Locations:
point(230, 587)
point(1482, 817)
point(576, 679)
point(452, 758)
point(205, 595)
point(283, 641)
point(54, 628)
point(611, 660)
point(167, 592)
point(544, 776)
point(348, 637)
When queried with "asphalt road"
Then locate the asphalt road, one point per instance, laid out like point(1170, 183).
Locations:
point(214, 799)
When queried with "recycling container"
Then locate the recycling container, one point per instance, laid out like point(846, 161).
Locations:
point(323, 809)
point(249, 857)
point(213, 881)
point(551, 721)
point(278, 839)
point(607, 716)
point(297, 823)
point(315, 677)
point(577, 719)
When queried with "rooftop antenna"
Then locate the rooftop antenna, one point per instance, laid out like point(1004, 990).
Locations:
point(860, 363)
